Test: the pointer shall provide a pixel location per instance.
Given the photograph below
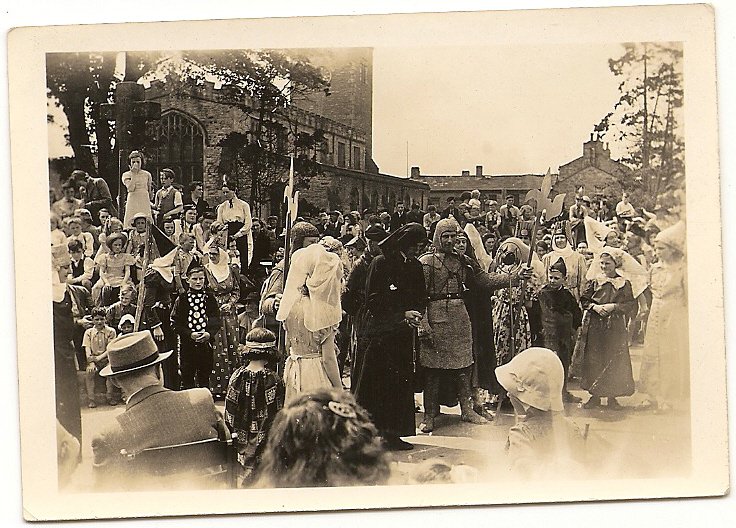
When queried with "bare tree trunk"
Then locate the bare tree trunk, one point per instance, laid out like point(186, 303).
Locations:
point(74, 107)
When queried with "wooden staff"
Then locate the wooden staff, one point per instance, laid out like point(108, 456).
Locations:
point(292, 204)
point(142, 282)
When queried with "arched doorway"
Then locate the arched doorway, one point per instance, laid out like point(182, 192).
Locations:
point(179, 141)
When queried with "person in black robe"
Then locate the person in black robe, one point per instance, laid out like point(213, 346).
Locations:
point(561, 317)
point(395, 298)
point(354, 300)
point(159, 288)
point(68, 412)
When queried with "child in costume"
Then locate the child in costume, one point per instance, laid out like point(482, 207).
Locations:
point(254, 395)
point(195, 316)
point(561, 317)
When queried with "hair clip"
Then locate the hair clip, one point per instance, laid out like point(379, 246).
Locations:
point(342, 409)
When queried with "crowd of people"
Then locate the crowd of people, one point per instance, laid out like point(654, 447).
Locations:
point(318, 354)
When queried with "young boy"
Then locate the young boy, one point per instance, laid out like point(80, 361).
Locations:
point(184, 256)
point(74, 224)
point(561, 317)
point(95, 342)
point(125, 306)
point(195, 316)
point(82, 267)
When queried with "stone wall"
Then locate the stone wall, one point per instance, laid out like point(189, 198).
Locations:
point(595, 181)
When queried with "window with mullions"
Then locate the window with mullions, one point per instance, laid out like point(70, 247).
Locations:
point(179, 145)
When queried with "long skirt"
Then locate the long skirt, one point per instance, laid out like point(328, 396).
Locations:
point(304, 374)
point(225, 358)
point(603, 353)
point(384, 385)
point(665, 367)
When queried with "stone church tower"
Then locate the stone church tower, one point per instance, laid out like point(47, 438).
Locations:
point(350, 72)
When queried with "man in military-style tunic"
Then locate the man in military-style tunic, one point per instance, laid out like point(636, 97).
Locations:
point(445, 333)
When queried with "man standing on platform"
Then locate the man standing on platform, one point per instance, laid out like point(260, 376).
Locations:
point(168, 201)
point(236, 214)
point(195, 197)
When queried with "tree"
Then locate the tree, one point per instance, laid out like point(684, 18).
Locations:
point(645, 120)
point(79, 83)
point(263, 84)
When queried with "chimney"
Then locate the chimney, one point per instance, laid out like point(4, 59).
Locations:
point(466, 173)
point(591, 136)
point(414, 173)
point(479, 171)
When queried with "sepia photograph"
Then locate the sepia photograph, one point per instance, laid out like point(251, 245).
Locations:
point(375, 263)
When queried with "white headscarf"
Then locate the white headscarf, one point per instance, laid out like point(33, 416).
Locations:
point(626, 265)
point(221, 270)
point(476, 242)
point(165, 266)
point(321, 272)
point(595, 234)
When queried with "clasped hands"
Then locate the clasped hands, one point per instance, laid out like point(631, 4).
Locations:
point(603, 310)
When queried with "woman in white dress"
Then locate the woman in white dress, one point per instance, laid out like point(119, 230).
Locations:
point(665, 367)
point(140, 187)
point(311, 312)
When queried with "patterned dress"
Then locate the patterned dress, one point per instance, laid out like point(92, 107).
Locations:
point(225, 342)
point(511, 321)
point(253, 399)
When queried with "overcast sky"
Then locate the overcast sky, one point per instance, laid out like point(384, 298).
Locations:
point(513, 110)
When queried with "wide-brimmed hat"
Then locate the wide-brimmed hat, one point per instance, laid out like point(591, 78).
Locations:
point(535, 376)
point(116, 236)
point(404, 237)
point(376, 233)
point(132, 352)
point(137, 216)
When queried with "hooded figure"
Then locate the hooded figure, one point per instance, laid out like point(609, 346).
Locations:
point(311, 311)
point(446, 332)
point(575, 265)
point(302, 235)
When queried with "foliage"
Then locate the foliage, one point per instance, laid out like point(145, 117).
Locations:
point(646, 120)
point(79, 83)
point(262, 84)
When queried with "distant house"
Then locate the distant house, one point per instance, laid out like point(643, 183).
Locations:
point(594, 170)
point(600, 176)
point(491, 187)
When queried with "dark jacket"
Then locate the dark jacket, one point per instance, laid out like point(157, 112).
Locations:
point(180, 312)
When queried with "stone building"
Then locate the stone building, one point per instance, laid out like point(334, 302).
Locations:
point(594, 170)
point(600, 176)
point(196, 121)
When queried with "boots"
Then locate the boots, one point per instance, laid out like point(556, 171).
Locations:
point(465, 396)
point(431, 403)
point(479, 403)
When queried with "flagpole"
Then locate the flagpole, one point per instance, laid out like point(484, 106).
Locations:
point(291, 200)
